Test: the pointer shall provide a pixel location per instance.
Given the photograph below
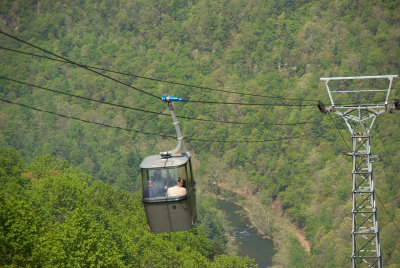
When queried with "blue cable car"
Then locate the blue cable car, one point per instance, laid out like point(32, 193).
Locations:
point(169, 193)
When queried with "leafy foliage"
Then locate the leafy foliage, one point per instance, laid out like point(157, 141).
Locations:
point(64, 218)
point(275, 48)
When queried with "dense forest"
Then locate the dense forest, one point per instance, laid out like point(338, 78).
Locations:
point(55, 215)
point(69, 189)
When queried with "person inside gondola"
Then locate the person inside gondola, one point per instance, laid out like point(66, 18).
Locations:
point(155, 188)
point(178, 189)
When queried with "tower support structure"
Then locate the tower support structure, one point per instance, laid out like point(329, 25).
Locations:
point(365, 231)
point(359, 118)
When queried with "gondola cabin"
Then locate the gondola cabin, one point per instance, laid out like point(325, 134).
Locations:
point(169, 195)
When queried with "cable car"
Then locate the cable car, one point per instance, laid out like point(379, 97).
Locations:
point(169, 193)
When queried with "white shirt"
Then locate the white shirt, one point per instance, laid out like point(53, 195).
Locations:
point(176, 191)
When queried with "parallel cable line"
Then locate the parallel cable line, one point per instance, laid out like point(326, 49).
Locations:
point(348, 146)
point(387, 212)
point(77, 64)
point(152, 112)
point(387, 154)
point(81, 97)
point(155, 79)
point(138, 131)
point(84, 120)
point(244, 141)
point(250, 104)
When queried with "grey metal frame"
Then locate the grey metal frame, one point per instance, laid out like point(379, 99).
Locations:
point(178, 133)
point(365, 233)
point(359, 120)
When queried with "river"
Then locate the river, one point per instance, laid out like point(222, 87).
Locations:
point(250, 243)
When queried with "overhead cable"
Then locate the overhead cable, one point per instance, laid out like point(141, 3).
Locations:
point(387, 154)
point(348, 146)
point(142, 132)
point(387, 212)
point(148, 111)
point(157, 80)
point(250, 104)
point(84, 120)
point(77, 64)
point(244, 141)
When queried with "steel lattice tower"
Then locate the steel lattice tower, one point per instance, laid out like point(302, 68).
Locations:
point(359, 119)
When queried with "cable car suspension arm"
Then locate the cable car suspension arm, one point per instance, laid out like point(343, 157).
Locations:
point(175, 121)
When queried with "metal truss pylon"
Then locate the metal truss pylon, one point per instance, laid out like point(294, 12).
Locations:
point(365, 232)
point(359, 119)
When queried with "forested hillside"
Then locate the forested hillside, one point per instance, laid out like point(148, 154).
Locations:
point(284, 153)
point(55, 215)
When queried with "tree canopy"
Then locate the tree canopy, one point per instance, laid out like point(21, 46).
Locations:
point(274, 48)
point(55, 215)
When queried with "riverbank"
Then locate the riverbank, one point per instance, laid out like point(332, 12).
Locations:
point(266, 236)
point(272, 218)
point(247, 241)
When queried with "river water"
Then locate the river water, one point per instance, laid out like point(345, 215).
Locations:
point(250, 243)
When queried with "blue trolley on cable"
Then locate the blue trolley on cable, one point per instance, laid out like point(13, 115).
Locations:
point(169, 194)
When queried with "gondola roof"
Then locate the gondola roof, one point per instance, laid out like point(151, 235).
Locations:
point(155, 161)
